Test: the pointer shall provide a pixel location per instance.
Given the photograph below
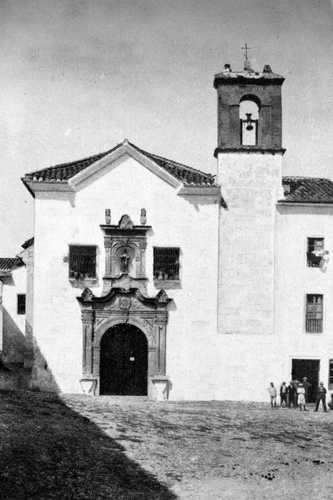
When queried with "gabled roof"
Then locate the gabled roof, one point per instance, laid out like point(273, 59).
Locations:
point(307, 190)
point(8, 264)
point(63, 172)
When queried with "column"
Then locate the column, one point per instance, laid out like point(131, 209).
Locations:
point(87, 342)
point(142, 252)
point(161, 347)
point(108, 261)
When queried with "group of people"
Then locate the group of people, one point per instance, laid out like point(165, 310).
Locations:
point(296, 394)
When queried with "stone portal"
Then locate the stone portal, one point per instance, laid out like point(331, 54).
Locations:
point(124, 319)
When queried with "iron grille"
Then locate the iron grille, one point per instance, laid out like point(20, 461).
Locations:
point(314, 313)
point(166, 263)
point(82, 262)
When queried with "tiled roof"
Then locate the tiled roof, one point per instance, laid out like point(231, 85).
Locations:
point(64, 171)
point(307, 190)
point(7, 264)
point(188, 175)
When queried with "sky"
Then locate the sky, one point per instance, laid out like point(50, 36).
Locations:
point(79, 76)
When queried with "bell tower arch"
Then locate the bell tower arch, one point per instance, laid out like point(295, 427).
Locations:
point(249, 159)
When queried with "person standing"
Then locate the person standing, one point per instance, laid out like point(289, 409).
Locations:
point(321, 396)
point(301, 397)
point(290, 394)
point(294, 384)
point(306, 385)
point(272, 393)
point(283, 395)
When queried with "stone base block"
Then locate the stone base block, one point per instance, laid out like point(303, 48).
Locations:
point(159, 388)
point(88, 385)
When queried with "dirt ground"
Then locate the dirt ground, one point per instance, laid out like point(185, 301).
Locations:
point(79, 447)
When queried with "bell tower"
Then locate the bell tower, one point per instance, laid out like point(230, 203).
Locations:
point(249, 157)
point(249, 110)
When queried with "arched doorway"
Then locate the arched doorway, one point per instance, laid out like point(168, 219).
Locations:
point(124, 361)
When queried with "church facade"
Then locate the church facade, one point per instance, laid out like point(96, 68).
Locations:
point(149, 277)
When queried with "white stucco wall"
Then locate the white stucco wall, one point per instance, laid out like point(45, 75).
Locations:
point(249, 362)
point(251, 185)
point(294, 279)
point(62, 219)
point(13, 324)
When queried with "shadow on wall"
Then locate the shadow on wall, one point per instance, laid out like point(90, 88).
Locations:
point(42, 378)
point(13, 375)
point(49, 451)
point(13, 340)
point(23, 364)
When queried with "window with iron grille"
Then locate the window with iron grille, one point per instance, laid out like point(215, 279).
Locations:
point(20, 303)
point(314, 251)
point(82, 262)
point(166, 264)
point(314, 313)
point(330, 374)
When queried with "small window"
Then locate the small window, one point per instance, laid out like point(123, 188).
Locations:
point(315, 251)
point(82, 262)
point(166, 264)
point(21, 303)
point(314, 313)
point(330, 374)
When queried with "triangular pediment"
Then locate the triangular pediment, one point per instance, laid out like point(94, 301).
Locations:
point(112, 160)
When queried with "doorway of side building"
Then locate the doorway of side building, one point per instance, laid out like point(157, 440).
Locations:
point(124, 361)
point(307, 368)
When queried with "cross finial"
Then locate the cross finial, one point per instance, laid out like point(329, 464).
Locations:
point(247, 65)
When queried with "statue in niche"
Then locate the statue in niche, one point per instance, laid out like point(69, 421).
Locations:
point(124, 262)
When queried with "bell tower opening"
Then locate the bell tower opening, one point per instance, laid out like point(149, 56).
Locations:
point(249, 116)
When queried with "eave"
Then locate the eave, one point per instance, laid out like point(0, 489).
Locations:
point(42, 186)
point(319, 204)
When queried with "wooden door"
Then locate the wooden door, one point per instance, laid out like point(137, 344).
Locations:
point(124, 361)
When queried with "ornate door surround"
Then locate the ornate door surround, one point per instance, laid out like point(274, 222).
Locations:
point(121, 305)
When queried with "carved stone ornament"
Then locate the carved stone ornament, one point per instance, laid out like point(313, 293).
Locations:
point(87, 295)
point(162, 297)
point(125, 222)
point(143, 217)
point(107, 216)
point(124, 303)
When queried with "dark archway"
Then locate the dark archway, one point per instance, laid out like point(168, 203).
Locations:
point(124, 361)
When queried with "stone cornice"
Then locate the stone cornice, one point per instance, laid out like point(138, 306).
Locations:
point(88, 299)
point(249, 149)
point(285, 203)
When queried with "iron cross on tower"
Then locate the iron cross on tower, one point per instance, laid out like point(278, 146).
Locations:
point(247, 65)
